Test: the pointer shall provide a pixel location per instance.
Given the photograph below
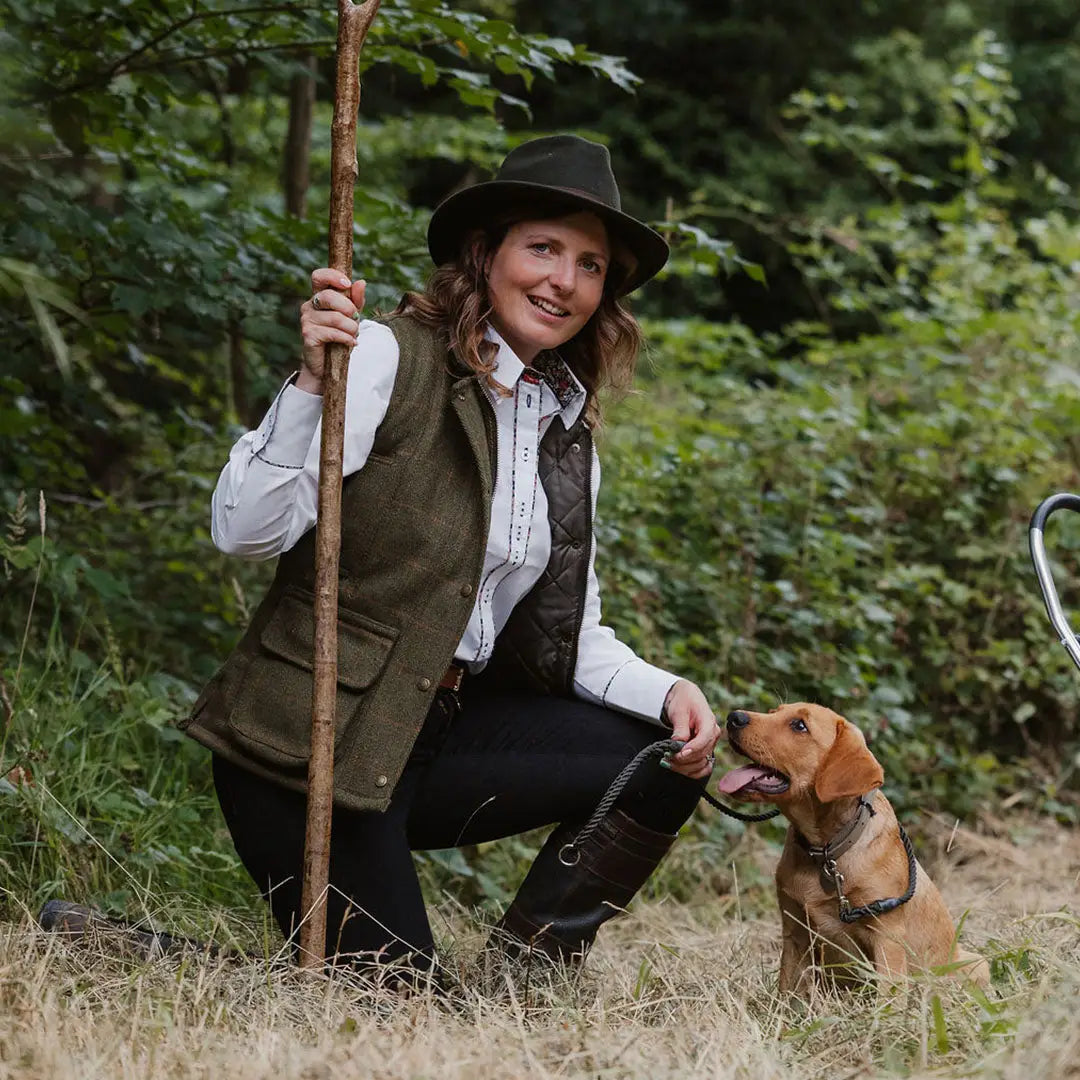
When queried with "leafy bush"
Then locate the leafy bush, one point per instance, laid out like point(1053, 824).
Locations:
point(854, 534)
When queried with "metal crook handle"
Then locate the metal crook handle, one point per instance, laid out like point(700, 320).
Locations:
point(1061, 501)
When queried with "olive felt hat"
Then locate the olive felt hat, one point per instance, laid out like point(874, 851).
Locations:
point(563, 172)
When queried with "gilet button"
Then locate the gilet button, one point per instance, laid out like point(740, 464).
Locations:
point(381, 781)
point(423, 683)
point(576, 545)
point(466, 589)
point(575, 448)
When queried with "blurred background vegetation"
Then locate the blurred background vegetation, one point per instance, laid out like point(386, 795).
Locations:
point(863, 372)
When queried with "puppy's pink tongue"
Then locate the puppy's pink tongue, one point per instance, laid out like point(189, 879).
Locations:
point(741, 777)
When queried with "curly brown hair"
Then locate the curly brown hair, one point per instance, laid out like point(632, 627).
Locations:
point(603, 354)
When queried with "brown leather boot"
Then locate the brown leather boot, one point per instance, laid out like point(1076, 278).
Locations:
point(560, 907)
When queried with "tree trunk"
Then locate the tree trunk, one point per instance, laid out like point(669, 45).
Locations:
point(296, 172)
point(238, 372)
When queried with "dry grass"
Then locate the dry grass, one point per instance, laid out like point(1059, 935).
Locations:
point(673, 990)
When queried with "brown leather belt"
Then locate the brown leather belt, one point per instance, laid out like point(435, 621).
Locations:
point(455, 673)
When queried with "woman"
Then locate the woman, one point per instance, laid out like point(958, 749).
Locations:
point(479, 696)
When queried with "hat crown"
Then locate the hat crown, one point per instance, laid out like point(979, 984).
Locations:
point(568, 162)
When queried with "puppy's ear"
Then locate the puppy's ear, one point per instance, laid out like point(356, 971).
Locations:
point(849, 768)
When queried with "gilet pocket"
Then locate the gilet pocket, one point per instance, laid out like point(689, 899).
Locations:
point(272, 715)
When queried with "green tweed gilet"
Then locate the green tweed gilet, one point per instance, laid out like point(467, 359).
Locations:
point(413, 538)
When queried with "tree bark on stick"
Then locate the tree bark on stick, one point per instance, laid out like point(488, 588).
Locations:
point(354, 21)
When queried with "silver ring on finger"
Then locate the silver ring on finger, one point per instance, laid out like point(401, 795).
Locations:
point(316, 303)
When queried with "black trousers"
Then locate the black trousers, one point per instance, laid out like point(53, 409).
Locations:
point(498, 765)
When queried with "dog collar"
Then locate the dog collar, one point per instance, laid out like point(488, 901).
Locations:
point(843, 840)
point(831, 879)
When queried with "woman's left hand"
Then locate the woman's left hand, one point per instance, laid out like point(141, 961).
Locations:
point(692, 722)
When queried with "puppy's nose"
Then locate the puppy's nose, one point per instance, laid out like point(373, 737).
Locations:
point(737, 719)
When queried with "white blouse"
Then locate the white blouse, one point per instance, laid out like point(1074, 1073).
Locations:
point(267, 497)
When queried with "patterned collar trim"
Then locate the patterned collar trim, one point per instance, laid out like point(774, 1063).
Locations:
point(550, 367)
point(562, 382)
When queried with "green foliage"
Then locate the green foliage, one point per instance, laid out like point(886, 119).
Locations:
point(18, 278)
point(854, 534)
point(792, 517)
point(712, 129)
point(107, 798)
point(831, 506)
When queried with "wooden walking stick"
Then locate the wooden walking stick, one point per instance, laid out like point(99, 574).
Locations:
point(354, 21)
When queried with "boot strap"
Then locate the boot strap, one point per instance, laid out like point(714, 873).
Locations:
point(618, 832)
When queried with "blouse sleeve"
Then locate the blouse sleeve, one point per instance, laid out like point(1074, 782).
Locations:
point(266, 497)
point(608, 672)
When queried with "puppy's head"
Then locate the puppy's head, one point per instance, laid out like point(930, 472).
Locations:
point(798, 750)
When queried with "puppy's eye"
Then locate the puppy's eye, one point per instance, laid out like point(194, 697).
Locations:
point(799, 725)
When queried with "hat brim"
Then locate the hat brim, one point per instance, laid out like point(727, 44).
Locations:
point(455, 217)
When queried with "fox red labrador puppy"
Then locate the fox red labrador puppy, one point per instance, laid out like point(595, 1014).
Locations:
point(848, 883)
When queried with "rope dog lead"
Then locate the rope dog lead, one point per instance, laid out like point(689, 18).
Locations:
point(569, 853)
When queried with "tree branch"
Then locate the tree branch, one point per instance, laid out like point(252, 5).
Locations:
point(237, 50)
point(123, 64)
point(204, 16)
point(100, 504)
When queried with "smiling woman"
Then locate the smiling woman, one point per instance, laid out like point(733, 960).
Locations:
point(546, 280)
point(479, 694)
point(517, 241)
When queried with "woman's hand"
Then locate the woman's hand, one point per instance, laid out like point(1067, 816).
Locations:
point(692, 722)
point(331, 315)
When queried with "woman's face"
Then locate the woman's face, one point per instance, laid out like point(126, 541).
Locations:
point(545, 281)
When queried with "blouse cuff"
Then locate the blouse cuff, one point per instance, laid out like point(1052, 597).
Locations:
point(640, 689)
point(284, 437)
